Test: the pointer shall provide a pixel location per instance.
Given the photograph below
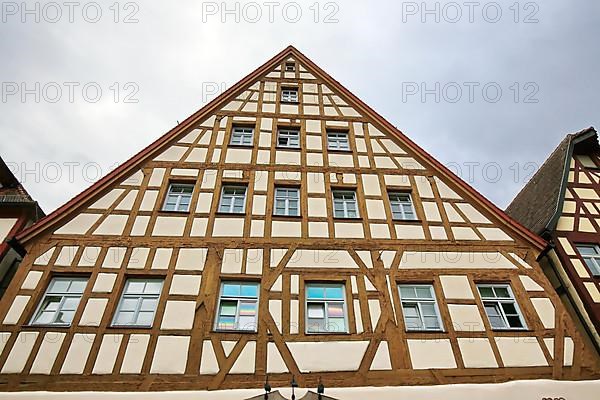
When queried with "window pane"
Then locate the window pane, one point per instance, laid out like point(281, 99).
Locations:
point(316, 325)
point(247, 323)
point(149, 305)
point(428, 309)
point(226, 323)
point(410, 310)
point(514, 321)
point(145, 318)
point(247, 309)
point(336, 325)
point(408, 292)
point(586, 250)
point(485, 291)
point(228, 308)
point(509, 308)
point(413, 323)
point(45, 317)
point(51, 303)
point(70, 303)
point(501, 292)
point(231, 289)
point(423, 292)
point(77, 286)
point(129, 304)
point(431, 323)
point(335, 310)
point(65, 317)
point(124, 318)
point(250, 290)
point(335, 292)
point(135, 286)
point(316, 310)
point(59, 286)
point(316, 292)
point(153, 287)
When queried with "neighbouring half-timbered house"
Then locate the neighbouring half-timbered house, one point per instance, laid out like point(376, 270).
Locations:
point(286, 232)
point(562, 203)
point(18, 211)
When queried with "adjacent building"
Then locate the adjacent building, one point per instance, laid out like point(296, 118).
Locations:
point(286, 233)
point(17, 212)
point(562, 203)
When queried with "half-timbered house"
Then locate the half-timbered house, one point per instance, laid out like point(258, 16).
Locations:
point(284, 233)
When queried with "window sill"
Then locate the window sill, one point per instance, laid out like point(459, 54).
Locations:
point(227, 214)
point(340, 219)
point(288, 148)
point(277, 216)
point(327, 333)
point(233, 331)
point(53, 326)
point(290, 102)
point(173, 212)
point(129, 327)
point(410, 221)
point(349, 151)
point(430, 331)
point(244, 146)
point(511, 330)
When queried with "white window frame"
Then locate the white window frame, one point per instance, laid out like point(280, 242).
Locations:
point(179, 196)
point(234, 196)
point(402, 215)
point(291, 135)
point(338, 141)
point(345, 203)
point(290, 64)
point(238, 299)
point(287, 200)
point(419, 302)
point(242, 136)
point(289, 95)
point(592, 261)
point(64, 295)
point(497, 302)
point(140, 299)
point(325, 302)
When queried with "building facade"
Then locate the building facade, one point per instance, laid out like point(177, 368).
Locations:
point(286, 232)
point(17, 212)
point(562, 203)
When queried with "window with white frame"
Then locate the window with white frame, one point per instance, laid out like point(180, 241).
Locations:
point(233, 199)
point(138, 303)
point(501, 307)
point(289, 95)
point(402, 206)
point(338, 141)
point(591, 256)
point(60, 301)
point(420, 308)
point(344, 204)
point(326, 308)
point(290, 66)
point(289, 138)
point(242, 135)
point(238, 306)
point(179, 197)
point(287, 201)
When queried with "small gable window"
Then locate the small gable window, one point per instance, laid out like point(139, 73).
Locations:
point(178, 197)
point(289, 95)
point(290, 66)
point(242, 136)
point(338, 141)
point(591, 256)
point(402, 206)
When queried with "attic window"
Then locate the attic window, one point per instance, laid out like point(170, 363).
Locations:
point(289, 95)
point(290, 67)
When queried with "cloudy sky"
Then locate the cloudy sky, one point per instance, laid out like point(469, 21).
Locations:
point(489, 88)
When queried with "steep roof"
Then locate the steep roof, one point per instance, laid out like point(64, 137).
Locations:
point(538, 204)
point(12, 192)
point(126, 168)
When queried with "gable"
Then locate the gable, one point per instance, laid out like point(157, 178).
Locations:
point(128, 202)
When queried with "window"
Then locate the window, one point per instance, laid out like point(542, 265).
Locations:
point(60, 301)
point(178, 197)
point(238, 306)
point(289, 95)
point(344, 204)
point(420, 308)
point(233, 199)
point(402, 206)
point(138, 302)
point(288, 138)
point(290, 67)
point(500, 306)
point(287, 201)
point(242, 136)
point(338, 141)
point(591, 255)
point(325, 308)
